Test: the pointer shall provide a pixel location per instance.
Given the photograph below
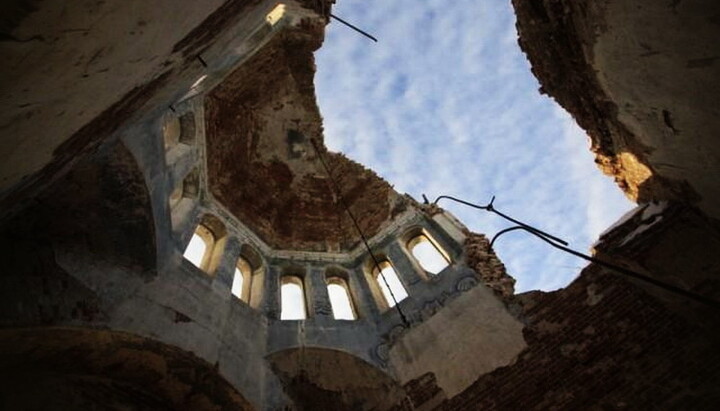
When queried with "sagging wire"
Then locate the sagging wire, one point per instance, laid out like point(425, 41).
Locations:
point(562, 245)
point(336, 189)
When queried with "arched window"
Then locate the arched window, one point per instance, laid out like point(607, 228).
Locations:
point(242, 280)
point(207, 244)
point(198, 250)
point(426, 253)
point(339, 293)
point(292, 299)
point(250, 264)
point(390, 284)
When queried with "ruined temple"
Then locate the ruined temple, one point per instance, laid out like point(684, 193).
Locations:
point(130, 130)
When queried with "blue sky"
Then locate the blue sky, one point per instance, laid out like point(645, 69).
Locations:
point(445, 103)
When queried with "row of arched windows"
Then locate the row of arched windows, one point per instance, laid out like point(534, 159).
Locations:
point(207, 243)
point(292, 298)
point(202, 251)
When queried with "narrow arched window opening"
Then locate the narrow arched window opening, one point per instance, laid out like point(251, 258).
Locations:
point(242, 280)
point(339, 293)
point(205, 247)
point(292, 299)
point(196, 250)
point(251, 266)
point(390, 284)
point(427, 254)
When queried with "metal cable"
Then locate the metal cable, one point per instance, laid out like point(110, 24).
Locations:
point(561, 245)
point(336, 189)
point(492, 209)
point(669, 287)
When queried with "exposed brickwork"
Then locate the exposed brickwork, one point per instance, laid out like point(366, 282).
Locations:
point(491, 271)
point(673, 243)
point(421, 391)
point(263, 167)
point(602, 343)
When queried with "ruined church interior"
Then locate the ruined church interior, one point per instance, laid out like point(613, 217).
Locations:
point(166, 194)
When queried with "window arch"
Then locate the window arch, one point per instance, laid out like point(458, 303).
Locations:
point(199, 248)
point(249, 276)
point(390, 285)
point(206, 246)
point(430, 257)
point(242, 280)
point(292, 299)
point(340, 300)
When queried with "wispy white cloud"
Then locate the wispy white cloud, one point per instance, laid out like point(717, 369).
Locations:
point(445, 103)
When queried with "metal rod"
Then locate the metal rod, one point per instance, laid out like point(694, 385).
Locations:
point(501, 232)
point(492, 209)
point(630, 273)
point(364, 33)
point(560, 244)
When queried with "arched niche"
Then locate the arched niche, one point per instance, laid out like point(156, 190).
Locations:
point(178, 129)
point(188, 189)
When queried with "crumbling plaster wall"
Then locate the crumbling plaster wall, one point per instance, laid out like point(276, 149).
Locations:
point(75, 75)
point(641, 78)
point(68, 63)
point(470, 336)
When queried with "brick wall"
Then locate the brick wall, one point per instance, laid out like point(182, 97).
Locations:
point(602, 343)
